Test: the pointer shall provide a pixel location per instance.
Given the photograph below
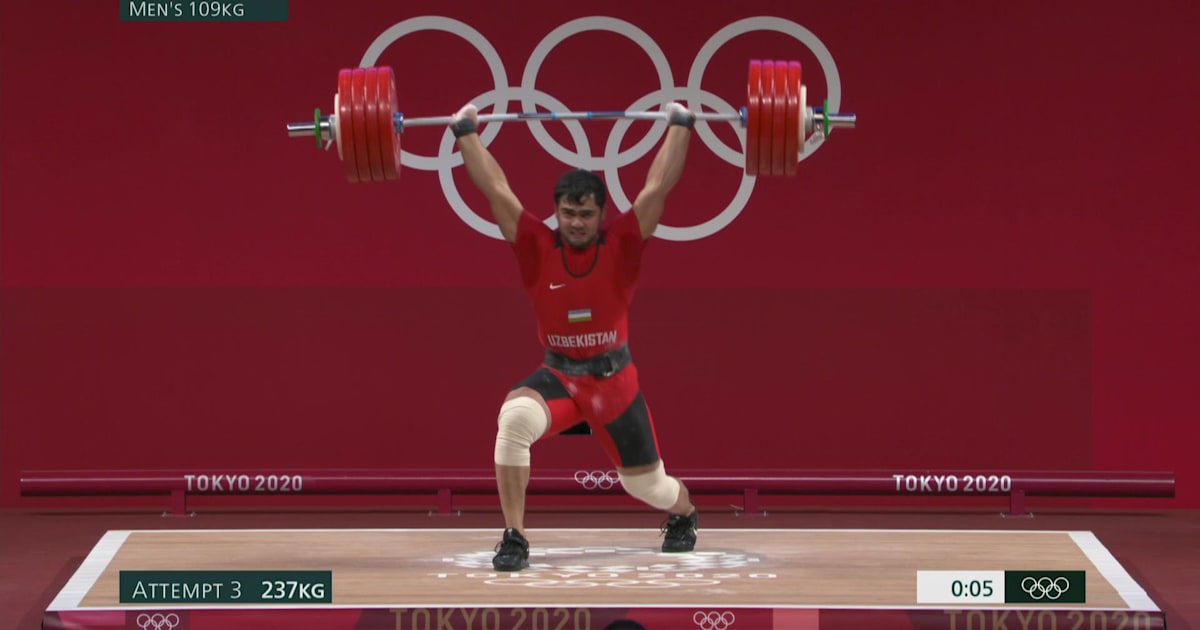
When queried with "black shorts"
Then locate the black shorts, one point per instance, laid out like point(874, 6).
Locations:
point(610, 408)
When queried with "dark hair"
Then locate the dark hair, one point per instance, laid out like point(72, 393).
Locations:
point(577, 184)
point(624, 624)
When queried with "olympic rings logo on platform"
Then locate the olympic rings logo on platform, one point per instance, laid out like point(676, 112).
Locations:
point(713, 620)
point(612, 158)
point(596, 479)
point(157, 621)
point(1045, 588)
point(627, 561)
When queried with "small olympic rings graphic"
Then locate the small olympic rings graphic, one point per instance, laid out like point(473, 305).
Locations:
point(612, 157)
point(596, 479)
point(157, 621)
point(713, 620)
point(1044, 587)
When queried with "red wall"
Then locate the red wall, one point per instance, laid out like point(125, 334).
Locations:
point(996, 270)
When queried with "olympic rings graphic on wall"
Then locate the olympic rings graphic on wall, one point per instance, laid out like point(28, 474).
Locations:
point(612, 157)
point(713, 620)
point(596, 479)
point(1045, 588)
point(157, 621)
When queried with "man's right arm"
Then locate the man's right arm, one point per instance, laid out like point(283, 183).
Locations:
point(486, 174)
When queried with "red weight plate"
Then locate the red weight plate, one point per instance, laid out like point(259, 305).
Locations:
point(753, 88)
point(779, 118)
point(389, 140)
point(371, 123)
point(358, 118)
point(766, 125)
point(345, 130)
point(791, 157)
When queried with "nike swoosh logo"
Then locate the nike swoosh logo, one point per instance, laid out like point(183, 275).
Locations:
point(557, 286)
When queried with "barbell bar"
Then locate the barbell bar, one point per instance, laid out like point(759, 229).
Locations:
point(366, 123)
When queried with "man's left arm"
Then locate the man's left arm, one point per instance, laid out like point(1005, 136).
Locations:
point(665, 170)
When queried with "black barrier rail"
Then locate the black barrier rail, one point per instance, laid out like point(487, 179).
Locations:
point(750, 484)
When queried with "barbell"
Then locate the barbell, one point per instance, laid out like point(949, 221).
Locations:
point(366, 123)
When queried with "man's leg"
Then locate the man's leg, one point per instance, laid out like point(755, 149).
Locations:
point(630, 442)
point(654, 487)
point(524, 417)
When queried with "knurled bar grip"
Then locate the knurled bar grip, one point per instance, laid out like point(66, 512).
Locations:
point(519, 116)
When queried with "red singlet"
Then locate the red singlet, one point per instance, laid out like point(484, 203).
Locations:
point(582, 306)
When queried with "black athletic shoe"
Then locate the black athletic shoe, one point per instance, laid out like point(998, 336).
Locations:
point(679, 532)
point(512, 552)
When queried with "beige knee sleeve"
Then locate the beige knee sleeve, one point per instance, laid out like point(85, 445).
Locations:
point(522, 421)
point(654, 487)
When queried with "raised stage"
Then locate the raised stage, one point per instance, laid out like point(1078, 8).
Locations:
point(587, 579)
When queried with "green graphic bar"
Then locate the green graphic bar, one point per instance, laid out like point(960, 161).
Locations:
point(226, 587)
point(204, 11)
point(1045, 587)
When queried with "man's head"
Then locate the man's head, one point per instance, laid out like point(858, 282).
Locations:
point(624, 624)
point(579, 199)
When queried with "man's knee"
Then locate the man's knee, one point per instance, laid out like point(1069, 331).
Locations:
point(654, 487)
point(521, 422)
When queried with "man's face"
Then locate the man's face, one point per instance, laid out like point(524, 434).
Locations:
point(579, 223)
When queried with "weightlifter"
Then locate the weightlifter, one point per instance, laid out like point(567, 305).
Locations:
point(581, 280)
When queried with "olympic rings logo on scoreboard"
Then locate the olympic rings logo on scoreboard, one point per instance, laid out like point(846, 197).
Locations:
point(713, 620)
point(596, 479)
point(612, 158)
point(157, 621)
point(1045, 588)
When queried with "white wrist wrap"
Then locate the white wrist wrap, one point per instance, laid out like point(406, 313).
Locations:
point(655, 488)
point(522, 421)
